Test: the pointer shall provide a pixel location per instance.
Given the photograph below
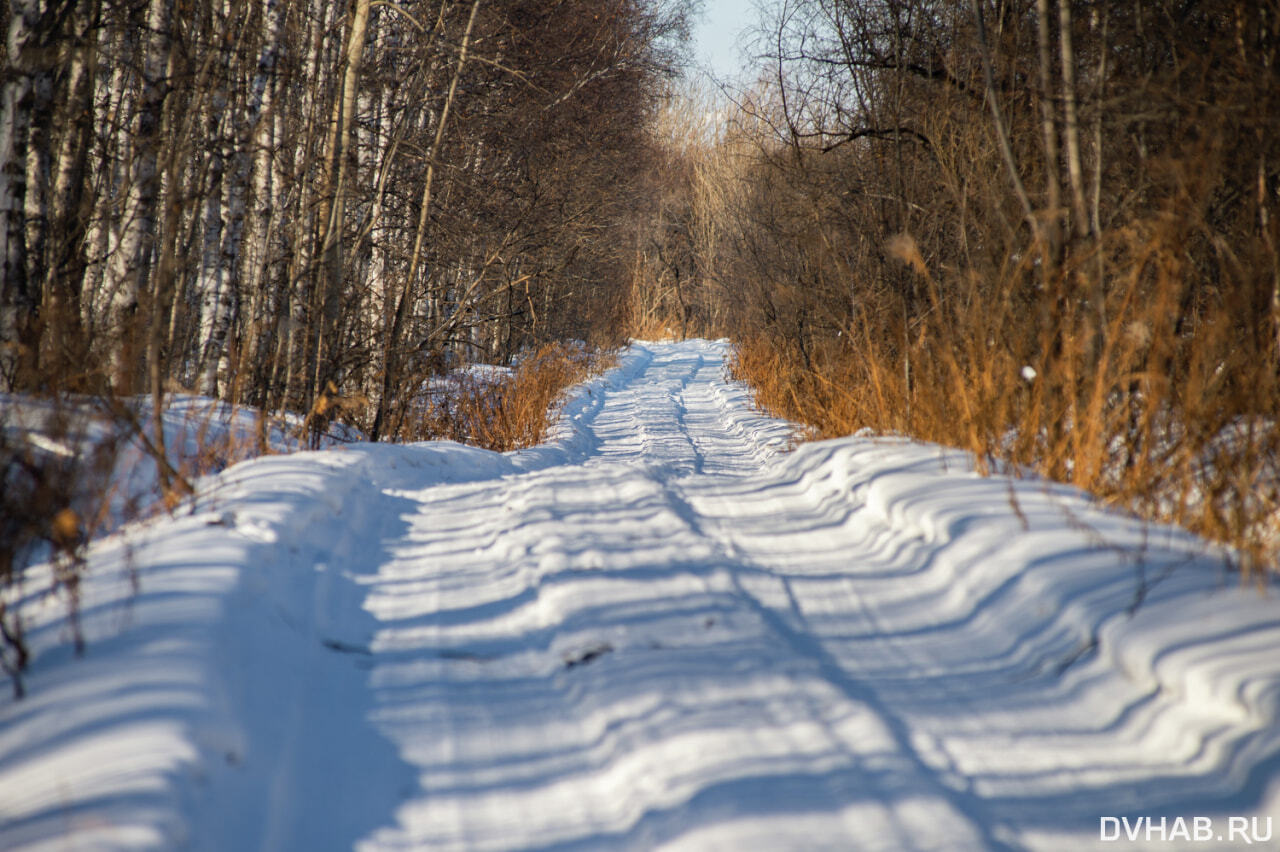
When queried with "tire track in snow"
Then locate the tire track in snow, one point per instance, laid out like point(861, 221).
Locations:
point(680, 707)
point(685, 639)
point(658, 630)
point(952, 808)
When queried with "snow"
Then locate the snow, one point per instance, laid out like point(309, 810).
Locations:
point(201, 435)
point(664, 629)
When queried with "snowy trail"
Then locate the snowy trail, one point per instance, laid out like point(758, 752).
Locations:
point(596, 665)
point(662, 630)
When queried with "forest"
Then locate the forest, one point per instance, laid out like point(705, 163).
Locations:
point(470, 424)
point(285, 204)
point(1044, 231)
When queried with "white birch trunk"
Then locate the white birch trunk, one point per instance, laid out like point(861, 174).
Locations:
point(15, 124)
point(112, 97)
point(333, 256)
point(211, 283)
point(1080, 215)
point(225, 215)
point(130, 269)
point(318, 23)
point(265, 124)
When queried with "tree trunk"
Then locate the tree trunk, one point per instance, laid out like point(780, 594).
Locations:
point(1049, 133)
point(332, 256)
point(391, 339)
point(18, 301)
point(261, 188)
point(301, 323)
point(212, 285)
point(129, 275)
point(1079, 213)
point(65, 342)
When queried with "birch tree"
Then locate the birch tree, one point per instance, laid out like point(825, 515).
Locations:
point(275, 200)
point(129, 271)
point(17, 93)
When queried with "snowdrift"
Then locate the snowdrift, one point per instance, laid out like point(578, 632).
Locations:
point(663, 629)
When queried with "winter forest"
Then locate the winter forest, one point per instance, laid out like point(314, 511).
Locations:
point(471, 424)
point(268, 201)
point(1041, 230)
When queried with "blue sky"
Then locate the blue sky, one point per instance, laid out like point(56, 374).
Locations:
point(716, 34)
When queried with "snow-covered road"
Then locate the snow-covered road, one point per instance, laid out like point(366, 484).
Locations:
point(664, 629)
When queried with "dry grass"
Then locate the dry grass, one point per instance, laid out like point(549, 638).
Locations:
point(652, 310)
point(54, 495)
point(1174, 421)
point(516, 411)
point(678, 285)
point(1096, 300)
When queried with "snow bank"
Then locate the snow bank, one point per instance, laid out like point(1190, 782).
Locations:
point(661, 629)
point(202, 436)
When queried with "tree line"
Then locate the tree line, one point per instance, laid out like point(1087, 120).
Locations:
point(295, 204)
point(1043, 230)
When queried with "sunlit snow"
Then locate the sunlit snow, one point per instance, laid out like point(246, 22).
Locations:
point(666, 628)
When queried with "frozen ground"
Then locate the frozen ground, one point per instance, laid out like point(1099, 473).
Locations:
point(661, 630)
